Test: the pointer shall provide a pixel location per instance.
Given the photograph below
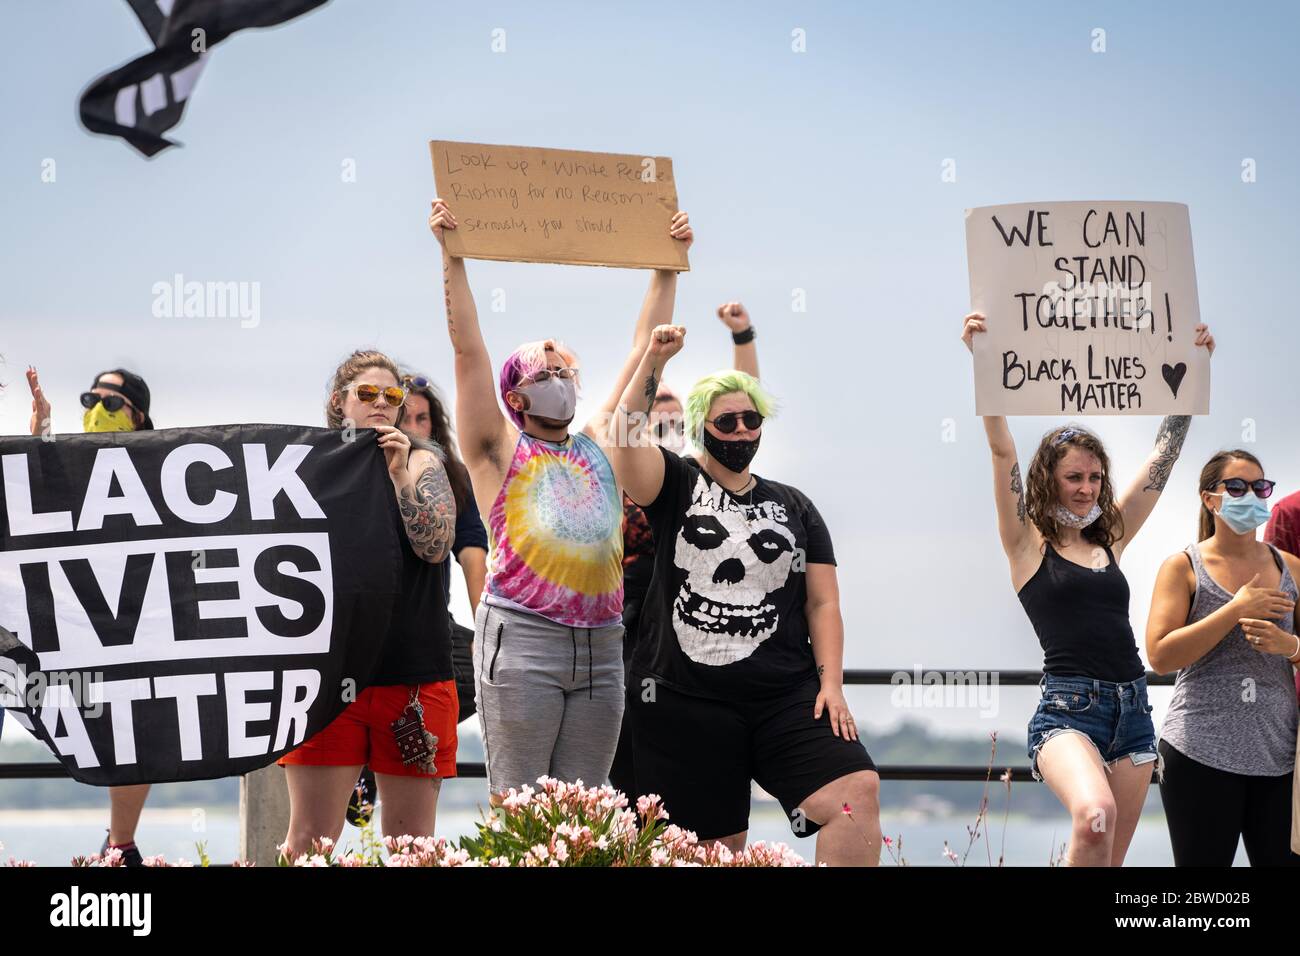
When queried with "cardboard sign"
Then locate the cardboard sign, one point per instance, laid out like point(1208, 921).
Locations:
point(1091, 310)
point(554, 205)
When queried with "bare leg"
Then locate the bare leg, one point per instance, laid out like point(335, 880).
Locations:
point(318, 803)
point(844, 840)
point(407, 805)
point(1071, 766)
point(735, 843)
point(125, 805)
point(1130, 784)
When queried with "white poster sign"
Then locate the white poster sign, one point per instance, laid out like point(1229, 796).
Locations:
point(1091, 309)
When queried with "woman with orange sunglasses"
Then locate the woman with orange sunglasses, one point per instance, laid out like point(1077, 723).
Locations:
point(415, 674)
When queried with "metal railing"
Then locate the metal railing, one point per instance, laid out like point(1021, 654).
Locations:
point(46, 770)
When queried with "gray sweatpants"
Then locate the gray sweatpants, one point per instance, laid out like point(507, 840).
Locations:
point(550, 697)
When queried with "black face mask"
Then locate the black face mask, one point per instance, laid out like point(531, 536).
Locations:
point(731, 455)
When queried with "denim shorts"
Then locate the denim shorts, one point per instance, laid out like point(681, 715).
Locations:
point(1116, 717)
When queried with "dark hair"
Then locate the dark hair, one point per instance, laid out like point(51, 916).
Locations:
point(442, 433)
point(1211, 474)
point(134, 390)
point(1040, 486)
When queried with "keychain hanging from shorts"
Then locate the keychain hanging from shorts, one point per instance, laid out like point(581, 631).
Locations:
point(414, 742)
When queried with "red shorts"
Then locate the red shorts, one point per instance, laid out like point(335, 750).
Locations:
point(363, 734)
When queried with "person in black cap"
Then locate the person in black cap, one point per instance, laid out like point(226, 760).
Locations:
point(118, 401)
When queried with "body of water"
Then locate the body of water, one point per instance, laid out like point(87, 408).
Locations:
point(53, 837)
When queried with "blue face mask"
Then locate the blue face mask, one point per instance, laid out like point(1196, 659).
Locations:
point(1243, 514)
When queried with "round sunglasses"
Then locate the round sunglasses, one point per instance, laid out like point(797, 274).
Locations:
point(1238, 486)
point(111, 402)
point(544, 374)
point(729, 422)
point(393, 396)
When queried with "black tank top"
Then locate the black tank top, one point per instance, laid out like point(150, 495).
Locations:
point(417, 648)
point(1081, 618)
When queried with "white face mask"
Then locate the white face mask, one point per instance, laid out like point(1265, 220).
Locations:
point(555, 398)
point(1065, 516)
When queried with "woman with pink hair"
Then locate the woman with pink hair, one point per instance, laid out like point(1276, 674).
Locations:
point(548, 652)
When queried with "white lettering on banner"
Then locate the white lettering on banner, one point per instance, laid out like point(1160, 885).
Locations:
point(110, 464)
point(265, 482)
point(58, 706)
point(187, 689)
point(18, 502)
point(268, 607)
point(293, 711)
point(119, 694)
point(176, 493)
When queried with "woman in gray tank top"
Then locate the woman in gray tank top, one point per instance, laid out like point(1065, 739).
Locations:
point(1224, 616)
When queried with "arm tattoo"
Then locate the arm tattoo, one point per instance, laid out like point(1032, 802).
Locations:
point(1169, 445)
point(651, 389)
point(1018, 489)
point(446, 294)
point(429, 513)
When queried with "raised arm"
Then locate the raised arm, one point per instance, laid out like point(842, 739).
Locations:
point(1139, 499)
point(1017, 534)
point(656, 309)
point(40, 423)
point(638, 464)
point(483, 429)
point(744, 352)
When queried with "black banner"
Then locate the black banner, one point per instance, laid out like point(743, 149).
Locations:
point(192, 602)
point(143, 99)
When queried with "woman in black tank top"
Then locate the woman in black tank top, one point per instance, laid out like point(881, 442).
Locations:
point(414, 674)
point(1064, 530)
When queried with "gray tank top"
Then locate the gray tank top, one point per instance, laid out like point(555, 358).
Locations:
point(1212, 717)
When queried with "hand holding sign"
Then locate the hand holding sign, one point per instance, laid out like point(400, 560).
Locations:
point(549, 205)
point(440, 219)
point(396, 446)
point(1093, 310)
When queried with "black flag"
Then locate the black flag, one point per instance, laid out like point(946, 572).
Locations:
point(145, 98)
point(192, 602)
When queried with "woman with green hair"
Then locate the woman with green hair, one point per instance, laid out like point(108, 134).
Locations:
point(738, 670)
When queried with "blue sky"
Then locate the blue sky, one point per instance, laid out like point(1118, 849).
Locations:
point(816, 171)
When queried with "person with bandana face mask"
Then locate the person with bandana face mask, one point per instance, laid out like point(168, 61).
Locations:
point(738, 670)
point(548, 631)
point(1064, 531)
point(1223, 614)
point(117, 401)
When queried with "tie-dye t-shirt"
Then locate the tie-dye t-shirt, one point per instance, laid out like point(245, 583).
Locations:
point(556, 534)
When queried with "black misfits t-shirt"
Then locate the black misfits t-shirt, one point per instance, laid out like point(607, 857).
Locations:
point(724, 614)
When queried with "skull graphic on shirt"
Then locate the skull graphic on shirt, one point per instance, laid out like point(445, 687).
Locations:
point(735, 558)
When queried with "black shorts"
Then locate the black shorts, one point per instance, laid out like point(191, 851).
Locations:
point(700, 755)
